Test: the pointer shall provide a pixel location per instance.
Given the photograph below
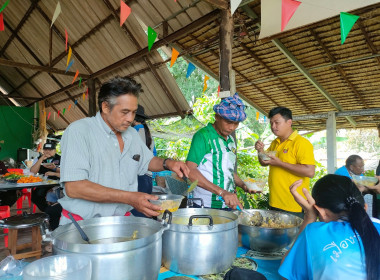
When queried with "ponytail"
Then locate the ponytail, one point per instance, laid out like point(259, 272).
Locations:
point(362, 225)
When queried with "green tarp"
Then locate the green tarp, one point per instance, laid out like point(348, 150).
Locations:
point(16, 129)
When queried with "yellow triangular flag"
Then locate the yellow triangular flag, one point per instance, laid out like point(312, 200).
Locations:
point(84, 96)
point(69, 56)
point(175, 54)
point(257, 115)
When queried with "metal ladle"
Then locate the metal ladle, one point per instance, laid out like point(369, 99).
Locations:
point(82, 233)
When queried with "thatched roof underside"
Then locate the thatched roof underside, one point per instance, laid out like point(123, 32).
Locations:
point(348, 76)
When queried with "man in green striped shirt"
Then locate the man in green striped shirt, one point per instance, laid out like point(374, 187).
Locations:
point(212, 156)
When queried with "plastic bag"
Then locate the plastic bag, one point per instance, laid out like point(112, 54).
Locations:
point(10, 268)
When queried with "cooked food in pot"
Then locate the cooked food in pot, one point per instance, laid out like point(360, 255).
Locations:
point(111, 240)
point(257, 220)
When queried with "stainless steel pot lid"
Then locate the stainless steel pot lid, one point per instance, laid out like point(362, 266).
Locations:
point(24, 221)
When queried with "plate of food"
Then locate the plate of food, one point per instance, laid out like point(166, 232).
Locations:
point(255, 184)
point(266, 155)
point(29, 180)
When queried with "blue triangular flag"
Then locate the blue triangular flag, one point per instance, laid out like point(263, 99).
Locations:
point(70, 64)
point(190, 69)
point(265, 119)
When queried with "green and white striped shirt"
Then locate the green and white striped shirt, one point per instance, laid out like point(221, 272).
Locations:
point(215, 157)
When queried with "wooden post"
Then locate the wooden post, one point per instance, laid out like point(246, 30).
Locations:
point(225, 47)
point(91, 97)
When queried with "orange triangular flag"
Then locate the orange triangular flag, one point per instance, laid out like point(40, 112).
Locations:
point(125, 11)
point(84, 96)
point(205, 83)
point(68, 109)
point(175, 54)
point(288, 9)
point(76, 75)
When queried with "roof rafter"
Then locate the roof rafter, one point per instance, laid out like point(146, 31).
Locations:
point(170, 38)
point(147, 61)
point(339, 68)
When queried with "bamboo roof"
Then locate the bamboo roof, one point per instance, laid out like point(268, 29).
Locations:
point(338, 77)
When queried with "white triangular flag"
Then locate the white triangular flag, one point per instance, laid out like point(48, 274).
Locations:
point(56, 13)
point(234, 5)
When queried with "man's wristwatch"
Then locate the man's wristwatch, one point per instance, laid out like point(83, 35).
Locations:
point(164, 163)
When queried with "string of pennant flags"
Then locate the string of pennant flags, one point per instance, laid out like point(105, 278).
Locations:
point(289, 7)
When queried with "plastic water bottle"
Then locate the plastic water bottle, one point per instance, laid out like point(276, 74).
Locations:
point(190, 195)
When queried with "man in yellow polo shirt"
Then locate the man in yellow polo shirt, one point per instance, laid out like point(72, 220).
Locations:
point(294, 160)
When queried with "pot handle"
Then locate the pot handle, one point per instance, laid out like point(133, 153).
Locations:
point(200, 217)
point(191, 200)
point(169, 218)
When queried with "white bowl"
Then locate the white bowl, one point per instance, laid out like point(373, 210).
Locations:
point(59, 267)
point(265, 155)
point(255, 184)
point(364, 180)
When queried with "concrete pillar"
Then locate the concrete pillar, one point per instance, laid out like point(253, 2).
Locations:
point(331, 142)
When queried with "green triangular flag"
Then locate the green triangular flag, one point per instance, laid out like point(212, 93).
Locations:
point(347, 21)
point(152, 35)
point(63, 112)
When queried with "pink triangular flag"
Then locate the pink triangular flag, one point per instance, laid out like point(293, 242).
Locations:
point(67, 38)
point(175, 54)
point(288, 9)
point(49, 115)
point(125, 11)
point(1, 22)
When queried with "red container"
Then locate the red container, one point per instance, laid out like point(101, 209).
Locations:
point(5, 212)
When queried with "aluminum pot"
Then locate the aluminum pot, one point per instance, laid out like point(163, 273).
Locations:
point(268, 239)
point(200, 241)
point(139, 258)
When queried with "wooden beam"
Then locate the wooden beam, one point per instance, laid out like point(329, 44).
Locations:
point(15, 64)
point(91, 98)
point(17, 29)
point(50, 46)
point(170, 38)
point(220, 4)
point(225, 49)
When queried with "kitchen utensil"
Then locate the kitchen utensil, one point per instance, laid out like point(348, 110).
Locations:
point(192, 245)
point(237, 207)
point(192, 186)
point(82, 233)
point(169, 202)
point(267, 239)
point(130, 260)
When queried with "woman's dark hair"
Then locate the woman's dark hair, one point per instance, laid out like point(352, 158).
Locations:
point(116, 87)
point(351, 160)
point(341, 196)
point(283, 111)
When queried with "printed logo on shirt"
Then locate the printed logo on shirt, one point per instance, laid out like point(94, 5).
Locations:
point(285, 151)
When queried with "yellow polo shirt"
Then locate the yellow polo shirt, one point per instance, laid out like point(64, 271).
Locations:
point(295, 150)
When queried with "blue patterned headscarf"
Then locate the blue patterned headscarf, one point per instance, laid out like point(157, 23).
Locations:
point(231, 108)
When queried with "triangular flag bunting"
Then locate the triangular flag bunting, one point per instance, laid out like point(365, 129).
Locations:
point(49, 115)
point(125, 11)
point(84, 96)
point(63, 111)
point(265, 119)
point(76, 75)
point(234, 5)
point(218, 90)
point(190, 69)
point(56, 13)
point(59, 111)
point(80, 81)
point(347, 21)
point(1, 22)
point(67, 38)
point(68, 109)
point(288, 9)
point(4, 6)
point(257, 116)
point(44, 113)
point(205, 83)
point(175, 54)
point(87, 93)
point(69, 56)
point(70, 64)
point(152, 35)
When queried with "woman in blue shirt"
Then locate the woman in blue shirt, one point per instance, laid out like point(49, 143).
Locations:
point(345, 244)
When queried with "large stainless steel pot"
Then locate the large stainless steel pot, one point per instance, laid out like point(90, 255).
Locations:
point(138, 259)
point(268, 239)
point(200, 241)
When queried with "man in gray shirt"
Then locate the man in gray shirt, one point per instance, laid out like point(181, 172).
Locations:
point(102, 156)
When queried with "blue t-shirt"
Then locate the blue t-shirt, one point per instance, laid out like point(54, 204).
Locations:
point(327, 251)
point(343, 172)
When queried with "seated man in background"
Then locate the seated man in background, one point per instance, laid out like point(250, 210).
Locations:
point(48, 165)
point(355, 166)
